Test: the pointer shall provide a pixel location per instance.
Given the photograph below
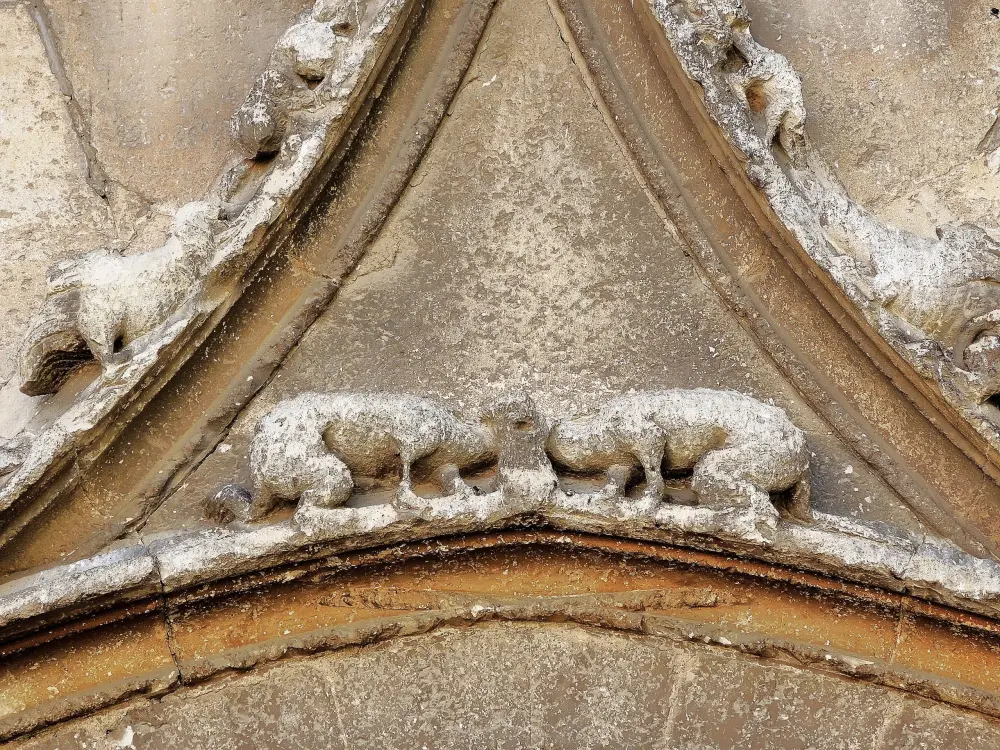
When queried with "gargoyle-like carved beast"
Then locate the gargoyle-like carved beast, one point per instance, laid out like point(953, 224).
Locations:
point(308, 447)
point(765, 80)
point(102, 301)
point(740, 449)
point(303, 57)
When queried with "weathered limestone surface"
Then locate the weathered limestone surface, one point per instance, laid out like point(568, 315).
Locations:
point(47, 210)
point(526, 254)
point(158, 81)
point(899, 96)
point(571, 687)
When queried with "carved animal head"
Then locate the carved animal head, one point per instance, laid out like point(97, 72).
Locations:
point(715, 21)
point(259, 124)
point(310, 49)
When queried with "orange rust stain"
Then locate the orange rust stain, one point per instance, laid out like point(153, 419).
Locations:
point(87, 663)
point(954, 652)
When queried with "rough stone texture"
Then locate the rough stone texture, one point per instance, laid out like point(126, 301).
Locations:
point(922, 725)
point(530, 257)
point(47, 210)
point(873, 71)
point(763, 706)
point(198, 289)
point(157, 82)
point(572, 687)
point(905, 286)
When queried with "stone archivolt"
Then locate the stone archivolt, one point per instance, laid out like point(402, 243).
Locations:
point(935, 301)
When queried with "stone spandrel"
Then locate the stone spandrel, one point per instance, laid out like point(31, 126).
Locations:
point(526, 254)
point(48, 212)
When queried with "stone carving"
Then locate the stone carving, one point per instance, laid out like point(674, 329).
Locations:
point(739, 448)
point(764, 80)
point(101, 302)
point(310, 448)
point(936, 301)
point(307, 448)
point(108, 300)
point(146, 313)
point(946, 290)
point(302, 58)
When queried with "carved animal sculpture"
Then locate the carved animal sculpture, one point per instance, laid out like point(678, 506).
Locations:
point(308, 447)
point(740, 449)
point(946, 290)
point(301, 59)
point(766, 82)
point(769, 84)
point(109, 300)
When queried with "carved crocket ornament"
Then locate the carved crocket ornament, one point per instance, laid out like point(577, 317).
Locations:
point(310, 448)
point(302, 58)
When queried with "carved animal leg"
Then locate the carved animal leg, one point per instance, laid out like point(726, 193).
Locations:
point(332, 492)
point(102, 346)
point(652, 460)
point(618, 476)
point(261, 503)
point(721, 481)
point(450, 479)
point(406, 483)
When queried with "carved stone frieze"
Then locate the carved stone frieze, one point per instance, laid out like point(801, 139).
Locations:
point(935, 301)
point(310, 449)
point(353, 437)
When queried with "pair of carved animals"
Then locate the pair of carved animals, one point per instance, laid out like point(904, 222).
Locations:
point(307, 448)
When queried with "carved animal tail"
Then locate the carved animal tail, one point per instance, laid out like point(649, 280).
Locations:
point(969, 332)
